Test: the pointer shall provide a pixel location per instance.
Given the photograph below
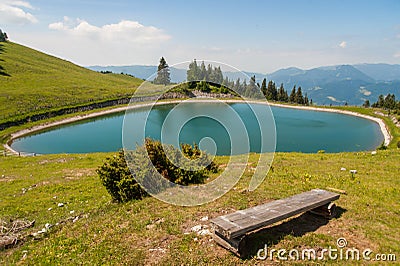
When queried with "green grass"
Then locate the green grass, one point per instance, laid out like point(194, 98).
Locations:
point(34, 82)
point(152, 232)
point(119, 233)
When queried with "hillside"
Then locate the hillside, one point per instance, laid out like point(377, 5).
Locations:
point(31, 82)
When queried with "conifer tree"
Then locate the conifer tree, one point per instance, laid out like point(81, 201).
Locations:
point(163, 75)
point(292, 97)
point(192, 72)
point(264, 87)
point(299, 96)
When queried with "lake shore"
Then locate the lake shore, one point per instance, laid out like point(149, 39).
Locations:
point(21, 133)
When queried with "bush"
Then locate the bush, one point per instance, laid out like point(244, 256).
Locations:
point(398, 144)
point(116, 176)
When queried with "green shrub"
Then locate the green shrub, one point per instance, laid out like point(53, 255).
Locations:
point(116, 177)
point(122, 185)
point(398, 144)
point(168, 169)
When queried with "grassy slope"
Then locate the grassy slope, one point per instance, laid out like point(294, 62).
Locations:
point(119, 233)
point(38, 82)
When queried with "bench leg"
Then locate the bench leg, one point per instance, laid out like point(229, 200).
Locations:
point(328, 211)
point(234, 245)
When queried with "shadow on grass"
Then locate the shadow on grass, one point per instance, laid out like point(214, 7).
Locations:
point(270, 236)
point(2, 70)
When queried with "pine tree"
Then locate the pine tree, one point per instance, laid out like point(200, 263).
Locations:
point(192, 72)
point(306, 101)
point(163, 75)
point(271, 93)
point(236, 86)
point(264, 87)
point(203, 72)
point(381, 102)
point(218, 75)
point(292, 97)
point(226, 82)
point(390, 102)
point(299, 96)
point(366, 104)
point(209, 72)
point(282, 94)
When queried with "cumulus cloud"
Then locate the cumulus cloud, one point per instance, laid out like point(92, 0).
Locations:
point(14, 12)
point(343, 44)
point(125, 30)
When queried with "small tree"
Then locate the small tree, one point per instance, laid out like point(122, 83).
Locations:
point(163, 75)
point(292, 97)
point(192, 73)
point(264, 87)
point(366, 104)
point(299, 96)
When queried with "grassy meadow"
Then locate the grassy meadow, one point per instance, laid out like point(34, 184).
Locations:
point(85, 227)
point(149, 231)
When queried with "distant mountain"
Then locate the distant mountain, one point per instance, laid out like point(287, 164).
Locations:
point(235, 75)
point(337, 84)
point(380, 72)
point(325, 85)
point(318, 76)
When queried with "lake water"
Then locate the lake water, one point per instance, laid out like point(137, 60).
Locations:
point(296, 130)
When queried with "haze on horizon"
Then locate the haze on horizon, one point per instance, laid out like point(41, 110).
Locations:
point(250, 35)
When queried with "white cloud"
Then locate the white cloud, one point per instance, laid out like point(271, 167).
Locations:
point(396, 55)
point(125, 30)
point(343, 44)
point(12, 12)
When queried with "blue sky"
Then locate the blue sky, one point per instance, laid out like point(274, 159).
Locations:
point(260, 36)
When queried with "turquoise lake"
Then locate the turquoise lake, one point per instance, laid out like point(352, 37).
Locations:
point(296, 131)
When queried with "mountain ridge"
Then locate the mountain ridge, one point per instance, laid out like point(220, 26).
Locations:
point(336, 84)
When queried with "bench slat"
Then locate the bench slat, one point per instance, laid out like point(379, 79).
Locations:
point(243, 221)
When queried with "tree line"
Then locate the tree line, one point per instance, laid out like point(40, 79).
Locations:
point(251, 89)
point(281, 95)
point(207, 78)
point(387, 102)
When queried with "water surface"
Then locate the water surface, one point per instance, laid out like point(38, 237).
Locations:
point(296, 130)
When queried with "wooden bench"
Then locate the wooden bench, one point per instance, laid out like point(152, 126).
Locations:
point(230, 229)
